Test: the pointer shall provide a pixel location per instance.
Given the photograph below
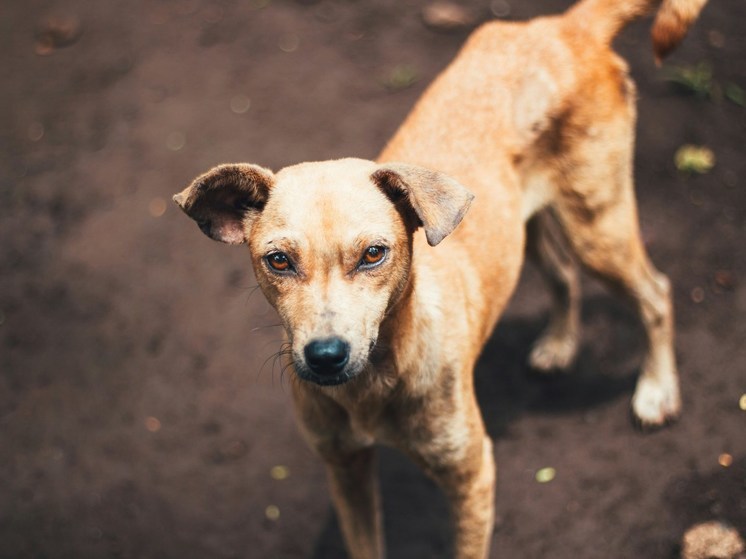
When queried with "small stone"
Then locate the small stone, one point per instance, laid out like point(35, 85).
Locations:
point(56, 33)
point(730, 178)
point(697, 294)
point(326, 13)
point(725, 460)
point(741, 401)
point(500, 8)
point(35, 131)
point(240, 104)
point(711, 540)
point(447, 16)
point(696, 198)
point(175, 141)
point(289, 42)
point(725, 279)
point(152, 424)
point(716, 38)
point(157, 207)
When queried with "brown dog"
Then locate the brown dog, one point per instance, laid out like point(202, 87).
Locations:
point(536, 119)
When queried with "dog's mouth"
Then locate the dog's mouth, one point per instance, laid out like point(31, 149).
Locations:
point(307, 374)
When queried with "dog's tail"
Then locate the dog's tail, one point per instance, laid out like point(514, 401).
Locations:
point(605, 18)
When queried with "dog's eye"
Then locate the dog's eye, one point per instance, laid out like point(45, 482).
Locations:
point(372, 256)
point(279, 262)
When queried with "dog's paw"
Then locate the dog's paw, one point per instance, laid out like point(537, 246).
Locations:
point(553, 353)
point(656, 403)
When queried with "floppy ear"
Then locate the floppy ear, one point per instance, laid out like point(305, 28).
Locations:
point(223, 199)
point(439, 201)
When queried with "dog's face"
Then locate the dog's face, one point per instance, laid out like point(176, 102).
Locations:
point(332, 254)
point(331, 245)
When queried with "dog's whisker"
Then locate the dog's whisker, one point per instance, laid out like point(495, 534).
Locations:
point(252, 289)
point(284, 368)
point(264, 327)
point(275, 341)
point(284, 350)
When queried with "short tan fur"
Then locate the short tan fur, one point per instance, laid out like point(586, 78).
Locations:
point(389, 276)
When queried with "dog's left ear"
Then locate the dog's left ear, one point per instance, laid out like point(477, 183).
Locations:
point(223, 200)
point(439, 201)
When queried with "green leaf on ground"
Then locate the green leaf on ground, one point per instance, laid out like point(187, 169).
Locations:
point(694, 159)
point(401, 77)
point(735, 93)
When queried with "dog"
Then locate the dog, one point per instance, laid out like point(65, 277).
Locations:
point(530, 129)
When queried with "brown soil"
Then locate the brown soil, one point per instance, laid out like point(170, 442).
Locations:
point(141, 411)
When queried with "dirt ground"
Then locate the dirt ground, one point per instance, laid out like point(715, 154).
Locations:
point(141, 412)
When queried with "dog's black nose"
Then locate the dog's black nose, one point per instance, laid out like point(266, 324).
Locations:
point(327, 356)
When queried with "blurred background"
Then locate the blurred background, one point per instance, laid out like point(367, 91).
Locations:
point(142, 412)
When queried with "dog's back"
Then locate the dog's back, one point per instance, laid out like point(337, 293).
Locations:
point(512, 80)
point(521, 109)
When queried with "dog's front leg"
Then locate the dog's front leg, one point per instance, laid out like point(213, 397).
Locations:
point(350, 465)
point(471, 491)
point(354, 490)
point(459, 458)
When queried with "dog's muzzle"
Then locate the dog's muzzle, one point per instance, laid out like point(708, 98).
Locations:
point(325, 360)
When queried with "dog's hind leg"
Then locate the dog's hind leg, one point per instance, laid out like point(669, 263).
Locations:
point(613, 250)
point(598, 212)
point(546, 245)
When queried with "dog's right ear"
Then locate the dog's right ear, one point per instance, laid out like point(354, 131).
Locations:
point(225, 199)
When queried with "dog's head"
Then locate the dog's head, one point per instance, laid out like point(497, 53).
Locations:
point(331, 244)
